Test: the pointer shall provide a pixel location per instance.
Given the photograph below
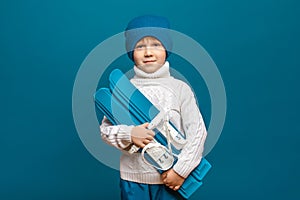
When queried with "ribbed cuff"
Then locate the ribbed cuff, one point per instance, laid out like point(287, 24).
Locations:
point(147, 178)
point(125, 135)
point(183, 169)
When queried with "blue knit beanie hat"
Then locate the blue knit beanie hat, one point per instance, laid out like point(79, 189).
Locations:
point(148, 25)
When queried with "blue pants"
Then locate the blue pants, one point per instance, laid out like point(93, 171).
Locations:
point(139, 191)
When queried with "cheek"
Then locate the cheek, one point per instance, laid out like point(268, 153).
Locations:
point(162, 57)
point(136, 57)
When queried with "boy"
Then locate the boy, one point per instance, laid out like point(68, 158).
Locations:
point(148, 45)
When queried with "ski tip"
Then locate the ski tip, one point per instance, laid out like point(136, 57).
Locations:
point(116, 72)
point(115, 76)
point(100, 92)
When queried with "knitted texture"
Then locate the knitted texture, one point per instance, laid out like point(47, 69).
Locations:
point(165, 92)
point(147, 25)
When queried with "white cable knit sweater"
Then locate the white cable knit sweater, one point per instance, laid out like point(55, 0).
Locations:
point(165, 92)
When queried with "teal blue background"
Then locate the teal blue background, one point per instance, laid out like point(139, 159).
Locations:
point(255, 45)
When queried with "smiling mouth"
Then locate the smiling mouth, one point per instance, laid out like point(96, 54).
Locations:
point(148, 61)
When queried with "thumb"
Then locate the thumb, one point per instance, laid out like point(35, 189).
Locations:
point(145, 125)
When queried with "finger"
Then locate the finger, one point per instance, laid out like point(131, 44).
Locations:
point(151, 133)
point(149, 137)
point(165, 181)
point(142, 145)
point(176, 188)
point(171, 187)
point(145, 125)
point(145, 141)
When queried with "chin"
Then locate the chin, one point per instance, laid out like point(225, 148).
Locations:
point(151, 68)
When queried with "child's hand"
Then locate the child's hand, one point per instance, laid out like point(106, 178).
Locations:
point(172, 179)
point(141, 136)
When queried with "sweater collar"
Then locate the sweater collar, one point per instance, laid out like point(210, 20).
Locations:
point(162, 72)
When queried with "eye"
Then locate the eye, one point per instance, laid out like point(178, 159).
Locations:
point(156, 45)
point(140, 46)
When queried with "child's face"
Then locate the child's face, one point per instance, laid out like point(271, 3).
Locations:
point(149, 54)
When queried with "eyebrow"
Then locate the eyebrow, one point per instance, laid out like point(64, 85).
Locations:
point(149, 41)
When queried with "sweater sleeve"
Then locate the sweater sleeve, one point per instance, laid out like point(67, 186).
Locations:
point(118, 136)
point(195, 131)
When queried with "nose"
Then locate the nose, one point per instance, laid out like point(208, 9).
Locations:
point(148, 52)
